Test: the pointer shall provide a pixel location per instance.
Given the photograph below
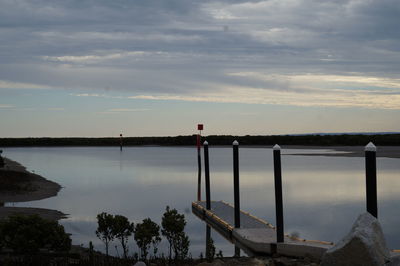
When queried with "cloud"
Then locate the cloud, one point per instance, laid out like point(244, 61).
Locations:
point(5, 106)
point(123, 110)
point(333, 98)
point(88, 95)
point(56, 109)
point(120, 110)
point(19, 85)
point(14, 108)
point(336, 80)
point(301, 90)
point(269, 52)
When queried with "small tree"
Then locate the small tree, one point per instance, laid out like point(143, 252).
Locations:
point(172, 224)
point(147, 233)
point(122, 229)
point(90, 253)
point(181, 245)
point(105, 228)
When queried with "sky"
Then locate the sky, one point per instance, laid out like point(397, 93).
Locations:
point(96, 68)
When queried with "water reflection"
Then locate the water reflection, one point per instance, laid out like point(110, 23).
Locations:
point(322, 195)
point(208, 240)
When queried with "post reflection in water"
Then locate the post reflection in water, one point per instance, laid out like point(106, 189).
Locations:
point(208, 240)
point(210, 243)
point(237, 251)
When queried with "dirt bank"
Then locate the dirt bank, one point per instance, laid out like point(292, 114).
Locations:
point(19, 185)
point(44, 213)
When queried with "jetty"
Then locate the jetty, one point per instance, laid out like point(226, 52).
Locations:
point(256, 236)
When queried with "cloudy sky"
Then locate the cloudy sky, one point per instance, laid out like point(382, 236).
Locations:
point(151, 68)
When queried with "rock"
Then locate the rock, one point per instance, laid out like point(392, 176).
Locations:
point(364, 245)
point(140, 263)
point(394, 261)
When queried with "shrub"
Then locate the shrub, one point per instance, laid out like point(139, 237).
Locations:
point(173, 225)
point(122, 229)
point(28, 234)
point(147, 233)
point(105, 228)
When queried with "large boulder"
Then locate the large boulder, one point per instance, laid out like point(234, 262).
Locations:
point(394, 261)
point(364, 245)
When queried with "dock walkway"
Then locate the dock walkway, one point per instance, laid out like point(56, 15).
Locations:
point(255, 236)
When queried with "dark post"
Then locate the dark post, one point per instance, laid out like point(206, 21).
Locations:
point(236, 182)
point(278, 193)
point(370, 173)
point(120, 142)
point(199, 166)
point(207, 172)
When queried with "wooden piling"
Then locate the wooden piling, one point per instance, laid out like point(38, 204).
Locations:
point(370, 175)
point(207, 174)
point(236, 183)
point(278, 193)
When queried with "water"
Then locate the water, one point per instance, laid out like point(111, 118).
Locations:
point(322, 195)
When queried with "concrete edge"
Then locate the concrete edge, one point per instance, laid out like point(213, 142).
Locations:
point(300, 250)
point(258, 248)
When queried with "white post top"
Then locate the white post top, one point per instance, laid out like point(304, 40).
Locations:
point(205, 143)
point(276, 147)
point(235, 142)
point(370, 147)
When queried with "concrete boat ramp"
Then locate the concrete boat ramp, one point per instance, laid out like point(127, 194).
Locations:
point(255, 236)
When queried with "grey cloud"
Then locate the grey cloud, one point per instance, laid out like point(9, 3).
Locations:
point(187, 48)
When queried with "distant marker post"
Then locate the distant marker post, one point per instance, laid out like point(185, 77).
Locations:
point(278, 193)
point(370, 175)
point(120, 142)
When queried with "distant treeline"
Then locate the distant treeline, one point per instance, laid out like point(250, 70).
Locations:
point(309, 140)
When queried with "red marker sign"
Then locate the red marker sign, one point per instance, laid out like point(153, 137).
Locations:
point(200, 127)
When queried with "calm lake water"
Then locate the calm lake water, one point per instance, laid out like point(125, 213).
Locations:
point(322, 195)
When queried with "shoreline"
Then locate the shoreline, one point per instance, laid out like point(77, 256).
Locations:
point(39, 188)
